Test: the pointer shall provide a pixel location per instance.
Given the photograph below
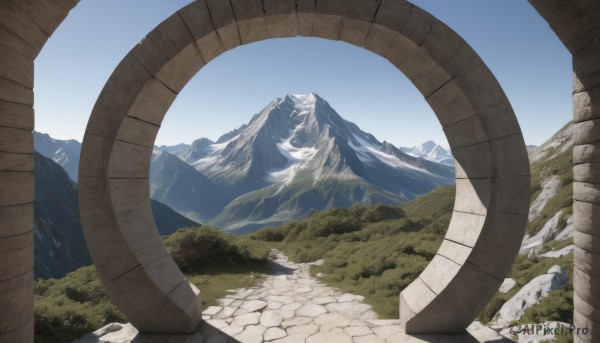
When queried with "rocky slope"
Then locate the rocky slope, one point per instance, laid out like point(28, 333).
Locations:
point(64, 152)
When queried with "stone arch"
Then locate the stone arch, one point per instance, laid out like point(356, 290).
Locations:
point(492, 170)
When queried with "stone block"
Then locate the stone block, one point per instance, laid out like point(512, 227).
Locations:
point(586, 192)
point(450, 104)
point(149, 54)
point(393, 14)
point(380, 40)
point(585, 61)
point(138, 228)
point(424, 73)
point(418, 25)
point(586, 216)
point(104, 122)
point(137, 132)
point(16, 162)
point(160, 267)
point(499, 121)
point(224, 22)
point(580, 321)
point(465, 132)
point(197, 18)
point(188, 297)
point(251, 20)
point(465, 228)
point(473, 195)
point(8, 38)
point(129, 194)
point(460, 61)
point(15, 20)
point(354, 31)
point(94, 199)
point(587, 310)
point(121, 89)
point(512, 194)
point(414, 299)
point(587, 172)
point(67, 4)
point(587, 286)
point(16, 67)
point(480, 86)
point(362, 10)
point(137, 296)
point(454, 252)
point(22, 334)
point(95, 154)
point(399, 50)
point(16, 220)
point(171, 36)
point(16, 140)
point(16, 293)
point(16, 255)
point(16, 188)
point(47, 14)
point(473, 161)
point(11, 91)
point(587, 242)
point(587, 153)
point(509, 156)
point(439, 273)
point(16, 115)
point(586, 105)
point(442, 43)
point(129, 161)
point(456, 307)
point(152, 102)
point(180, 69)
point(587, 132)
point(326, 26)
point(282, 19)
point(305, 9)
point(587, 261)
point(109, 251)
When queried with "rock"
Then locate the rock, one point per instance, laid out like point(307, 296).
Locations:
point(306, 330)
point(311, 310)
point(549, 191)
point(351, 309)
point(212, 310)
point(323, 300)
point(322, 337)
point(558, 253)
point(246, 319)
point(507, 285)
point(357, 331)
point(252, 334)
point(296, 321)
point(270, 319)
point(254, 305)
point(546, 233)
point(530, 295)
point(332, 320)
point(567, 232)
point(387, 331)
point(274, 333)
point(369, 339)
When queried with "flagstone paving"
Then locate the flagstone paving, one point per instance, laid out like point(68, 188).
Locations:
point(291, 307)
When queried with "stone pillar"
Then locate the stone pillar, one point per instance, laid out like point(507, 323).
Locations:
point(577, 24)
point(25, 26)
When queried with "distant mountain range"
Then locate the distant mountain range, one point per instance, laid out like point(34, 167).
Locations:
point(59, 243)
point(296, 155)
point(431, 151)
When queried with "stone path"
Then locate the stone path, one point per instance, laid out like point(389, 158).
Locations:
point(291, 307)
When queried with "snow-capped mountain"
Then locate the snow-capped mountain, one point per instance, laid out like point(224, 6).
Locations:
point(299, 154)
point(431, 151)
point(64, 152)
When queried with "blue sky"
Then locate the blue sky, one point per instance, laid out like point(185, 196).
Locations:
point(530, 63)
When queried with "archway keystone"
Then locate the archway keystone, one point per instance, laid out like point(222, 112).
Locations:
point(492, 170)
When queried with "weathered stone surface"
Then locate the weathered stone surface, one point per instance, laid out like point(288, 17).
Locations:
point(16, 188)
point(138, 132)
point(424, 73)
point(282, 19)
point(380, 40)
point(129, 160)
point(141, 230)
point(592, 328)
point(585, 106)
point(329, 337)
point(472, 195)
point(246, 319)
point(16, 67)
point(270, 319)
point(586, 215)
point(223, 20)
point(354, 31)
point(512, 194)
point(14, 92)
point(47, 14)
point(326, 26)
point(587, 261)
point(466, 166)
point(16, 219)
point(274, 333)
point(587, 172)
point(254, 305)
point(251, 20)
point(311, 310)
point(8, 38)
point(510, 156)
point(16, 162)
point(16, 116)
point(180, 69)
point(197, 18)
point(16, 140)
point(23, 333)
point(18, 22)
point(16, 255)
point(466, 132)
point(586, 309)
point(152, 102)
point(587, 242)
point(450, 104)
point(251, 334)
point(393, 14)
point(16, 293)
point(587, 153)
point(587, 286)
point(129, 194)
point(587, 132)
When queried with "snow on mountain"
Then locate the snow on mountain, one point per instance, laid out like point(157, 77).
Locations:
point(297, 154)
point(64, 152)
point(431, 151)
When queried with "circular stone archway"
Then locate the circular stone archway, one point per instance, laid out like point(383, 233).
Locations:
point(492, 168)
